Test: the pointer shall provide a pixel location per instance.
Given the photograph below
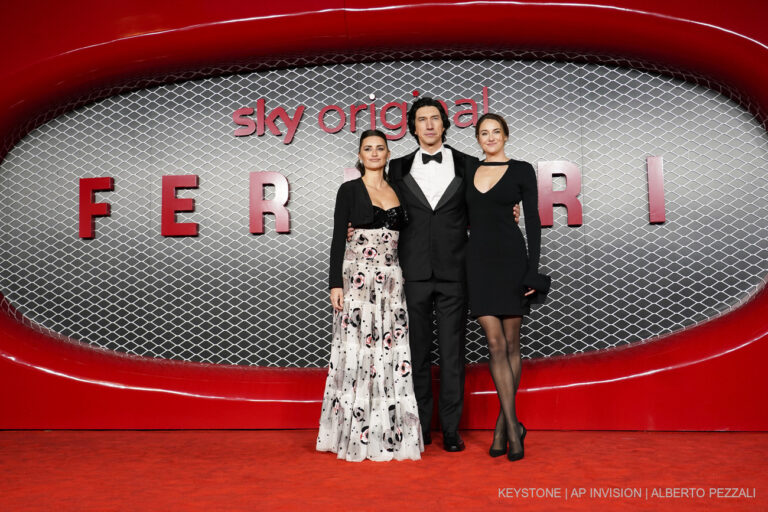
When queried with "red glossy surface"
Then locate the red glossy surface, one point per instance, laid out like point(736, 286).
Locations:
point(706, 377)
point(51, 382)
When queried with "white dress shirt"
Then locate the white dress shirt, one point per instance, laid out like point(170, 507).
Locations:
point(433, 178)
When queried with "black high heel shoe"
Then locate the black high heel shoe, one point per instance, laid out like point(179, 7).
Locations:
point(494, 452)
point(513, 456)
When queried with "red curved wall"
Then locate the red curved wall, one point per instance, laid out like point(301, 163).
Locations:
point(708, 377)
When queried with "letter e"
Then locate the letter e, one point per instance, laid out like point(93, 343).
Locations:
point(172, 204)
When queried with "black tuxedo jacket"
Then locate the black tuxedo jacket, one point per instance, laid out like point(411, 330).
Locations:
point(434, 241)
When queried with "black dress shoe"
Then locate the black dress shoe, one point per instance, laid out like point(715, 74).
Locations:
point(427, 438)
point(452, 442)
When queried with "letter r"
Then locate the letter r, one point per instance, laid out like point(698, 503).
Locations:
point(259, 206)
point(568, 197)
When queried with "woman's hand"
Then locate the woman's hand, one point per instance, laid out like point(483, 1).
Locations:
point(351, 231)
point(337, 298)
point(530, 291)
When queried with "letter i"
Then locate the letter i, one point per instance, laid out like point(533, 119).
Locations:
point(655, 171)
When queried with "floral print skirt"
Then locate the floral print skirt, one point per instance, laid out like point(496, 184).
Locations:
point(369, 408)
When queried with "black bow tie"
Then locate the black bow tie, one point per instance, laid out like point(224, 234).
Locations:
point(437, 157)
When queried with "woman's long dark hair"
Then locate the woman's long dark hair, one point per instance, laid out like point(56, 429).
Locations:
point(370, 133)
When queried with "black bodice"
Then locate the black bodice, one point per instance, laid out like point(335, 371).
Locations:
point(395, 219)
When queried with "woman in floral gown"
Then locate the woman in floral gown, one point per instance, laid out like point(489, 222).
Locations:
point(369, 408)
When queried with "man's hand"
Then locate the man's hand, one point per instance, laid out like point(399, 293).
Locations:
point(337, 298)
point(351, 230)
point(516, 211)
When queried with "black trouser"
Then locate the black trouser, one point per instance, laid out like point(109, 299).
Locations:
point(448, 300)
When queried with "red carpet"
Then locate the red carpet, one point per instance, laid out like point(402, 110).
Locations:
point(279, 470)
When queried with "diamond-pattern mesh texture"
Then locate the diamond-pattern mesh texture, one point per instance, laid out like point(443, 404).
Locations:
point(231, 297)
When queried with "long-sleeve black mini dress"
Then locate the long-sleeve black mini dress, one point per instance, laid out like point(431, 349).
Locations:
point(500, 268)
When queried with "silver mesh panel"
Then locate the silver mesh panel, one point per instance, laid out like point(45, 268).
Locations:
point(231, 297)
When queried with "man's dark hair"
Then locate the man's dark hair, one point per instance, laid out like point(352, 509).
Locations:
point(426, 101)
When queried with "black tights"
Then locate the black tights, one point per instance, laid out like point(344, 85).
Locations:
point(503, 335)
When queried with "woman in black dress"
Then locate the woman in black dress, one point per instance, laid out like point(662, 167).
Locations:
point(502, 275)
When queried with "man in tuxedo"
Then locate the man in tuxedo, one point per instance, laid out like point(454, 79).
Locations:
point(431, 251)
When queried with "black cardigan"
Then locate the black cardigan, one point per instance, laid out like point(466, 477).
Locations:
point(353, 205)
